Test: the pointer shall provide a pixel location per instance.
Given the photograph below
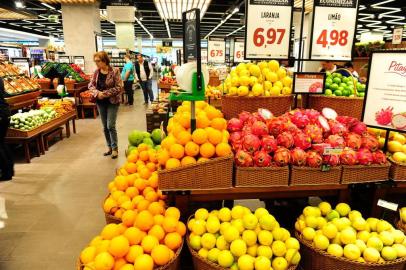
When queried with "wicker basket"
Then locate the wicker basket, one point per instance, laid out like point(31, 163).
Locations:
point(212, 174)
point(397, 171)
point(315, 259)
point(342, 105)
point(262, 177)
point(109, 217)
point(365, 174)
point(232, 106)
point(87, 100)
point(401, 226)
point(314, 176)
point(44, 85)
point(215, 102)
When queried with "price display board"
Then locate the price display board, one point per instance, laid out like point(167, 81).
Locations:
point(334, 24)
point(22, 63)
point(99, 42)
point(309, 82)
point(267, 32)
point(204, 56)
point(190, 40)
point(80, 61)
point(216, 50)
point(397, 35)
point(64, 59)
point(238, 51)
point(385, 98)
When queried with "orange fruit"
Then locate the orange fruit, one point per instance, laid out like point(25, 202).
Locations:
point(144, 220)
point(134, 252)
point(144, 156)
point(168, 142)
point(127, 205)
point(127, 266)
point(119, 213)
point(119, 246)
point(172, 163)
point(143, 205)
point(109, 205)
point(188, 160)
point(215, 136)
point(219, 123)
point(139, 169)
point(104, 261)
point(157, 231)
point(181, 228)
point(132, 157)
point(103, 246)
point(161, 255)
point(151, 196)
point(173, 240)
point(145, 173)
point(207, 150)
point(140, 184)
point(192, 149)
point(184, 137)
point(202, 121)
point(153, 180)
point(122, 199)
point(226, 136)
point(136, 200)
point(152, 155)
point(223, 149)
point(172, 212)
point(88, 254)
point(176, 129)
point(131, 178)
point(158, 219)
point(149, 242)
point(140, 163)
point(156, 208)
point(121, 228)
point(147, 190)
point(170, 224)
point(130, 167)
point(128, 217)
point(163, 156)
point(177, 151)
point(212, 112)
point(95, 241)
point(202, 159)
point(143, 147)
point(162, 198)
point(199, 136)
point(111, 185)
point(151, 166)
point(131, 192)
point(109, 231)
point(119, 263)
point(144, 262)
point(134, 235)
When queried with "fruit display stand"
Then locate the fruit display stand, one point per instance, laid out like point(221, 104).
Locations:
point(233, 105)
point(350, 106)
point(392, 191)
point(262, 176)
point(363, 174)
point(397, 170)
point(23, 100)
point(314, 176)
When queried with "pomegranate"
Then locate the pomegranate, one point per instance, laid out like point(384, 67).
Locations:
point(251, 143)
point(315, 133)
point(298, 157)
point(332, 160)
point(384, 116)
point(348, 157)
point(335, 141)
point(285, 139)
point(281, 156)
point(364, 156)
point(353, 140)
point(259, 128)
point(234, 124)
point(269, 144)
point(302, 141)
point(262, 159)
point(337, 128)
point(313, 159)
point(370, 142)
point(379, 157)
point(243, 159)
point(244, 116)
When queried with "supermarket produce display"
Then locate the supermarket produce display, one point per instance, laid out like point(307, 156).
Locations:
point(53, 70)
point(15, 82)
point(341, 85)
point(32, 119)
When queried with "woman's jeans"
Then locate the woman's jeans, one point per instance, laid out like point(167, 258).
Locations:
point(108, 115)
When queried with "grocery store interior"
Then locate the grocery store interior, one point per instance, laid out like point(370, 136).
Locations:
point(202, 134)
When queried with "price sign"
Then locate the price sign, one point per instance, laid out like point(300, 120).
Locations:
point(22, 63)
point(238, 52)
point(397, 35)
point(308, 82)
point(388, 205)
point(216, 50)
point(80, 61)
point(64, 59)
point(267, 31)
point(334, 24)
point(204, 56)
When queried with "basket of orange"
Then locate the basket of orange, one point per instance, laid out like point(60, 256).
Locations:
point(201, 159)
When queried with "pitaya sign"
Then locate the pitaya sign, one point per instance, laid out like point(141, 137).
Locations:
point(385, 100)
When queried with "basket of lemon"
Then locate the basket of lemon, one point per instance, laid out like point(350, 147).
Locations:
point(342, 239)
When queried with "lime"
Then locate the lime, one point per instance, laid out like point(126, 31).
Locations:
point(346, 93)
point(361, 94)
point(350, 83)
point(345, 79)
point(327, 85)
point(329, 80)
point(334, 86)
point(339, 75)
point(328, 73)
point(337, 80)
point(340, 88)
point(328, 92)
point(343, 84)
point(338, 93)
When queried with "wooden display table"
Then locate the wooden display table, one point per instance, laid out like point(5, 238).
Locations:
point(37, 134)
point(183, 199)
point(384, 190)
point(23, 100)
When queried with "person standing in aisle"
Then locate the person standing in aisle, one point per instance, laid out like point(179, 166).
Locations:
point(106, 86)
point(127, 75)
point(143, 74)
point(6, 159)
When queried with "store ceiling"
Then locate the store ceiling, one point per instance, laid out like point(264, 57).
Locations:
point(380, 15)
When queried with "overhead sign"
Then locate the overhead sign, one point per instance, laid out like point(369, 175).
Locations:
point(80, 61)
point(166, 43)
point(385, 99)
point(334, 24)
point(238, 51)
point(216, 50)
point(397, 35)
point(267, 32)
point(22, 63)
point(190, 40)
point(99, 42)
point(309, 82)
point(125, 3)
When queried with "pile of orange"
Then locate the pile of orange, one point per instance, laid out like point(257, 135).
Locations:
point(182, 147)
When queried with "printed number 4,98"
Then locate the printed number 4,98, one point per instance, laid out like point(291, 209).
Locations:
point(336, 37)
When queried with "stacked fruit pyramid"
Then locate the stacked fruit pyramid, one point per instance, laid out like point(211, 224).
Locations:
point(182, 147)
point(339, 85)
point(344, 233)
point(150, 235)
point(240, 239)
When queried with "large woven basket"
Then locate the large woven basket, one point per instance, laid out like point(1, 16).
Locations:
point(45, 85)
point(109, 217)
point(262, 177)
point(278, 105)
point(397, 171)
point(365, 174)
point(314, 176)
point(171, 265)
point(316, 259)
point(216, 173)
point(401, 226)
point(342, 105)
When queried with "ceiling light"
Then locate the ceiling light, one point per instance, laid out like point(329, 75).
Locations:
point(236, 9)
point(19, 4)
point(143, 27)
point(172, 9)
point(218, 26)
point(168, 29)
point(48, 6)
point(235, 31)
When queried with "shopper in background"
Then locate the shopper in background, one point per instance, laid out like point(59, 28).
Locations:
point(6, 159)
point(143, 74)
point(106, 86)
point(350, 67)
point(35, 69)
point(127, 75)
point(328, 66)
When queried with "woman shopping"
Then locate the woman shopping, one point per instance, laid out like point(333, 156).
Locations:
point(106, 86)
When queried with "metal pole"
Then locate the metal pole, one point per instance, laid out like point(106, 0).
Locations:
point(300, 62)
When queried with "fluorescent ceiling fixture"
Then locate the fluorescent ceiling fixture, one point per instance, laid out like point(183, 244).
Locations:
point(60, 11)
point(24, 33)
point(235, 31)
point(19, 4)
point(172, 9)
point(168, 29)
point(218, 26)
point(143, 27)
point(27, 21)
point(48, 6)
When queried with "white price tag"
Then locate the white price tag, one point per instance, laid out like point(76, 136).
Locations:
point(238, 52)
point(388, 205)
point(397, 35)
point(333, 29)
point(203, 55)
point(267, 31)
point(216, 50)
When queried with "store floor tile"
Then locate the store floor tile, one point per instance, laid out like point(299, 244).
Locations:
point(54, 203)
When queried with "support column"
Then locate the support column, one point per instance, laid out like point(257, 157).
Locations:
point(80, 23)
point(125, 37)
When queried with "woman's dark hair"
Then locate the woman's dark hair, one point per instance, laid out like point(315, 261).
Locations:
point(103, 56)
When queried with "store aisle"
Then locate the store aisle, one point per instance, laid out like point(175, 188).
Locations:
point(54, 203)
